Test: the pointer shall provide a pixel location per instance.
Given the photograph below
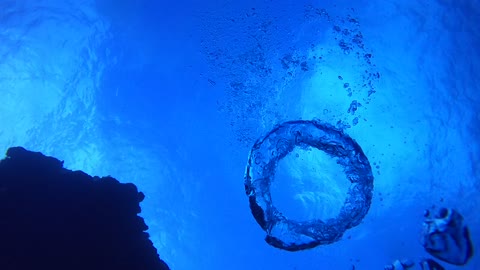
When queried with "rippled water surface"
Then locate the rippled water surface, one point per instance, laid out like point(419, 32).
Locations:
point(172, 96)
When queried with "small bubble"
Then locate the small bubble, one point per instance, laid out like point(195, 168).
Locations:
point(355, 121)
point(340, 77)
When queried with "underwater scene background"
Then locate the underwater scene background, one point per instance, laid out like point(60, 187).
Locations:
point(171, 96)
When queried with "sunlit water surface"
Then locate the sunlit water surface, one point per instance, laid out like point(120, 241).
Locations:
point(172, 96)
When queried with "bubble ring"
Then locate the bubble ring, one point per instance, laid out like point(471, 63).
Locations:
point(264, 156)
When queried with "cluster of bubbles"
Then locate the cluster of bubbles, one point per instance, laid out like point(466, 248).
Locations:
point(262, 57)
point(345, 32)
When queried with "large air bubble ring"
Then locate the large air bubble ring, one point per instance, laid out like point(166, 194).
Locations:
point(294, 235)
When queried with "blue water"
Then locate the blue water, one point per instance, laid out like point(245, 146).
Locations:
point(171, 96)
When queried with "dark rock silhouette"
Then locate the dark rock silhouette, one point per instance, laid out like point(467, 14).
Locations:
point(54, 218)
